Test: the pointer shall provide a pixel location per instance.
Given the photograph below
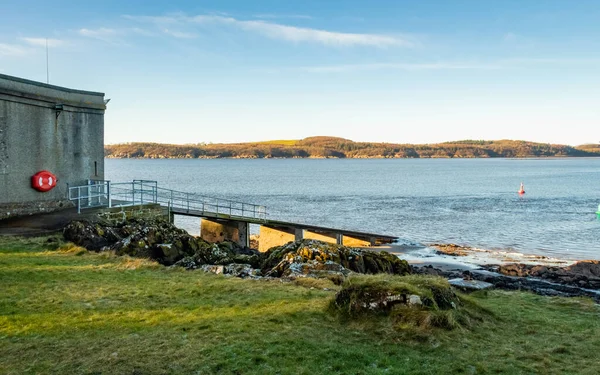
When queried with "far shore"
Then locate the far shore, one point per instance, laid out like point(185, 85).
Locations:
point(341, 148)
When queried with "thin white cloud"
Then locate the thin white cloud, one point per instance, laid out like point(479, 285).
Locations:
point(159, 20)
point(41, 42)
point(138, 31)
point(12, 50)
point(179, 34)
point(282, 16)
point(551, 61)
point(301, 34)
point(284, 32)
point(398, 66)
point(491, 65)
point(103, 33)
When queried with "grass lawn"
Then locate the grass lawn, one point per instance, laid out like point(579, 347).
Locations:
point(67, 311)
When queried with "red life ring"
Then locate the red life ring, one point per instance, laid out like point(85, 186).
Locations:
point(43, 181)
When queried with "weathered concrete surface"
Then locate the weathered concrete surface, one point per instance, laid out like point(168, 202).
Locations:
point(272, 237)
point(54, 221)
point(325, 237)
point(357, 242)
point(35, 136)
point(220, 231)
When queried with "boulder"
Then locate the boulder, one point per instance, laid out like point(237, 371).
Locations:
point(159, 240)
point(311, 252)
point(380, 294)
point(585, 274)
point(234, 269)
point(469, 285)
point(86, 235)
point(451, 249)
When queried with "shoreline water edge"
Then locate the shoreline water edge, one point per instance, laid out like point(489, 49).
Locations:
point(449, 255)
point(471, 268)
point(503, 269)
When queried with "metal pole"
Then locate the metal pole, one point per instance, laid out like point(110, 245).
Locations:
point(133, 193)
point(108, 194)
point(89, 193)
point(188, 202)
point(47, 65)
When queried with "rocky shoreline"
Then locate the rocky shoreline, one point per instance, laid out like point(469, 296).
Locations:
point(540, 274)
point(171, 246)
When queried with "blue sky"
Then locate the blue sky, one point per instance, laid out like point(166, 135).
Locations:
point(385, 71)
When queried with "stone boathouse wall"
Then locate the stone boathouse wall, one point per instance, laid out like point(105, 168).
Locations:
point(46, 127)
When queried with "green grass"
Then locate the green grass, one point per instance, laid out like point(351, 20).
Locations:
point(64, 312)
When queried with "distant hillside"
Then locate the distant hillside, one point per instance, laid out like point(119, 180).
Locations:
point(333, 147)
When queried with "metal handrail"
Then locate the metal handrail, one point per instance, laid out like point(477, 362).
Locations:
point(147, 191)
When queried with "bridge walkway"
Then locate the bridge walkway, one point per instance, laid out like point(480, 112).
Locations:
point(222, 219)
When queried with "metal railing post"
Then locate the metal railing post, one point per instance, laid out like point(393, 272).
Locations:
point(133, 193)
point(169, 211)
point(89, 192)
point(79, 200)
point(188, 201)
point(108, 194)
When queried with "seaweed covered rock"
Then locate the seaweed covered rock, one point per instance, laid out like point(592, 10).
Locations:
point(413, 300)
point(585, 273)
point(85, 234)
point(367, 294)
point(308, 256)
point(159, 240)
point(235, 269)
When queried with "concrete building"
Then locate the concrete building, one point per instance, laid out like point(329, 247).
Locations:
point(46, 127)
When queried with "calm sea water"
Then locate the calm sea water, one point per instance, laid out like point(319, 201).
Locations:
point(472, 202)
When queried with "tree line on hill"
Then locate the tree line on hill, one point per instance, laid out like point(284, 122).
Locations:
point(333, 147)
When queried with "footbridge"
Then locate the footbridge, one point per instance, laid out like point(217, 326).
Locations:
point(221, 219)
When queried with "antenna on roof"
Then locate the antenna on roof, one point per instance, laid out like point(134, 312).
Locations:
point(47, 70)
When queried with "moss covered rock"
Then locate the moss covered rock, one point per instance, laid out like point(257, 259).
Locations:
point(278, 260)
point(410, 301)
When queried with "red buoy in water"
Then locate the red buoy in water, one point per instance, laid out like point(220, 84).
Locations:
point(522, 189)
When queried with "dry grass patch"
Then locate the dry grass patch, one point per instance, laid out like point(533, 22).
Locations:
point(68, 249)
